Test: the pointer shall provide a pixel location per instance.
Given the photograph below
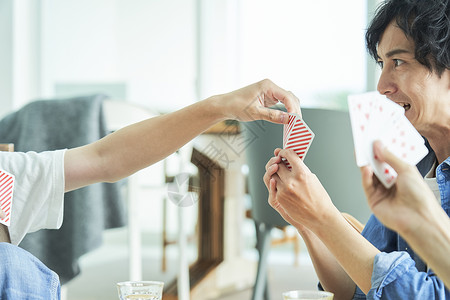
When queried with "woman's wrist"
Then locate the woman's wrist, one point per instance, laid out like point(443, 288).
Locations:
point(218, 108)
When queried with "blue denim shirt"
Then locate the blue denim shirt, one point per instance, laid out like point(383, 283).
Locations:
point(24, 277)
point(398, 273)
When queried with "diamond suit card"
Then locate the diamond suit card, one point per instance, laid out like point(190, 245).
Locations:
point(374, 117)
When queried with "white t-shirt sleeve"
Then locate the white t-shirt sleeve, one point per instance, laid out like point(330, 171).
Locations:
point(38, 200)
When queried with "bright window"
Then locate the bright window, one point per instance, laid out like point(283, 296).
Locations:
point(314, 48)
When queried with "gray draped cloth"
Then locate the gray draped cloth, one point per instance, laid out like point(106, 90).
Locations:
point(57, 124)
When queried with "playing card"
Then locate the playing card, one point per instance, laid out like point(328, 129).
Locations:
point(405, 142)
point(385, 114)
point(297, 136)
point(6, 195)
point(288, 127)
point(384, 172)
point(360, 113)
point(374, 117)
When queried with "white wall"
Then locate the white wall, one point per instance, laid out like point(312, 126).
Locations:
point(147, 44)
point(309, 47)
point(315, 48)
point(19, 54)
point(218, 46)
point(168, 58)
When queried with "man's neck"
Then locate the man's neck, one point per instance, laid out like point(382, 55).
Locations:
point(438, 137)
point(441, 148)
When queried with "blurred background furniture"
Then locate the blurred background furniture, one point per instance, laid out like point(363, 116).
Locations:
point(262, 138)
point(179, 174)
point(219, 158)
point(330, 157)
point(210, 229)
point(119, 114)
point(179, 171)
point(57, 124)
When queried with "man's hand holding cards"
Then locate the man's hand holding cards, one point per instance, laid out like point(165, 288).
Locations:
point(297, 136)
point(374, 117)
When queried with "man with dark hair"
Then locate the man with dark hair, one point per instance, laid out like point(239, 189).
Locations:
point(410, 40)
point(426, 23)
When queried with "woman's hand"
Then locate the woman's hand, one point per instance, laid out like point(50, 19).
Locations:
point(252, 103)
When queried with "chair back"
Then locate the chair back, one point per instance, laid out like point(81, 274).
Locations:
point(330, 157)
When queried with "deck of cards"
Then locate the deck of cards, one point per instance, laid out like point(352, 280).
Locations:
point(297, 136)
point(374, 117)
point(6, 195)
